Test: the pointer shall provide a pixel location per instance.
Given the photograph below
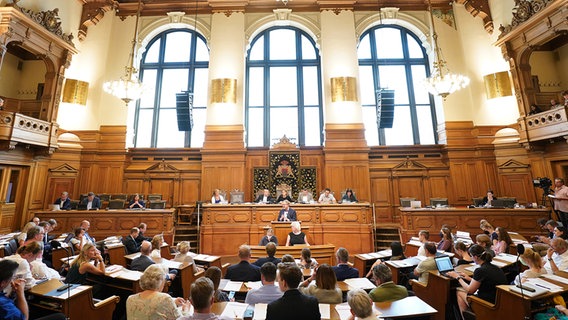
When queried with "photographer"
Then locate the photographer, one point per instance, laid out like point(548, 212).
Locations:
point(561, 200)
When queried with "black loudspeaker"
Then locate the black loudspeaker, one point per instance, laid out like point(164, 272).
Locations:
point(385, 108)
point(184, 108)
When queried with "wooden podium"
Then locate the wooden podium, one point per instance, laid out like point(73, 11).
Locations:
point(282, 229)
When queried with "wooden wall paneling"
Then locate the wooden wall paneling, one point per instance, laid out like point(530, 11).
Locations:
point(189, 190)
point(7, 217)
point(519, 186)
point(464, 175)
point(85, 185)
point(382, 198)
point(36, 188)
point(165, 187)
point(410, 186)
point(254, 159)
point(438, 187)
point(135, 185)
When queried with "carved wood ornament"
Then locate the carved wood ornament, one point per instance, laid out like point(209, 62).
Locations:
point(93, 12)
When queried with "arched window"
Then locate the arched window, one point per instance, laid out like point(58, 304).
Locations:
point(391, 57)
point(283, 93)
point(174, 61)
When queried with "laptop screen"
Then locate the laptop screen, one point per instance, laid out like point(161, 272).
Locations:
point(444, 264)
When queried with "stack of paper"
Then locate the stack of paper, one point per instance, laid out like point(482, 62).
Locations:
point(359, 283)
point(234, 310)
point(233, 286)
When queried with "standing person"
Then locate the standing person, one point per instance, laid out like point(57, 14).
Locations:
point(63, 201)
point(92, 202)
point(286, 213)
point(561, 200)
point(485, 279)
point(293, 304)
point(137, 203)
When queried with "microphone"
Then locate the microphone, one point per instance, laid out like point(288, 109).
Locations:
point(520, 250)
point(56, 245)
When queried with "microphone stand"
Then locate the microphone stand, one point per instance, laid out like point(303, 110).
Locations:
point(56, 245)
point(520, 250)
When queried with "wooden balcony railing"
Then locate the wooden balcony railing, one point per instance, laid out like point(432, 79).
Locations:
point(545, 125)
point(16, 128)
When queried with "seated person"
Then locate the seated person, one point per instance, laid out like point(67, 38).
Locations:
point(360, 304)
point(386, 290)
point(269, 291)
point(348, 196)
point(445, 243)
point(26, 254)
point(270, 252)
point(265, 197)
point(90, 261)
point(152, 300)
point(63, 201)
point(305, 197)
point(214, 274)
point(557, 256)
point(306, 260)
point(484, 281)
point(136, 203)
point(217, 197)
point(421, 270)
point(535, 266)
point(397, 253)
point(284, 196)
point(130, 242)
point(293, 304)
point(142, 227)
point(269, 237)
point(78, 241)
point(534, 109)
point(325, 288)
point(343, 270)
point(296, 236)
point(16, 308)
point(201, 298)
point(489, 230)
point(461, 251)
point(554, 104)
point(144, 261)
point(484, 241)
point(244, 270)
point(184, 255)
point(503, 241)
point(487, 200)
point(286, 213)
point(92, 202)
point(326, 197)
point(287, 258)
point(157, 242)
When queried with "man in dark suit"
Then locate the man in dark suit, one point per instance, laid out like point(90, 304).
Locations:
point(64, 202)
point(343, 270)
point(130, 242)
point(243, 271)
point(265, 197)
point(270, 251)
point(144, 260)
point(287, 213)
point(293, 304)
point(91, 201)
point(142, 230)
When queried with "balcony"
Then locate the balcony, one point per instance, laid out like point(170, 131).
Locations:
point(16, 128)
point(545, 125)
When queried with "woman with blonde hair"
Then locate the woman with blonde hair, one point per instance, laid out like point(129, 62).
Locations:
point(184, 255)
point(325, 288)
point(296, 236)
point(217, 197)
point(157, 242)
point(152, 303)
point(532, 260)
point(88, 261)
point(488, 230)
point(23, 235)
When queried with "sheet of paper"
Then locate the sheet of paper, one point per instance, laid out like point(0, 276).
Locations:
point(325, 311)
point(233, 286)
point(498, 263)
point(367, 256)
point(260, 311)
point(362, 283)
point(127, 275)
point(472, 268)
point(234, 310)
point(383, 253)
point(556, 278)
point(400, 264)
point(545, 284)
point(415, 243)
point(343, 310)
point(253, 284)
point(72, 292)
point(507, 257)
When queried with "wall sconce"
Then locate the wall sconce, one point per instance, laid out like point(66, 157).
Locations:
point(343, 89)
point(224, 91)
point(498, 85)
point(75, 91)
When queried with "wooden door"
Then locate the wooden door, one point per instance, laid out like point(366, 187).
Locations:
point(165, 187)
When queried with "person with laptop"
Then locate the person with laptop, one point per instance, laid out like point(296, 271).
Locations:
point(421, 270)
point(91, 202)
point(63, 201)
point(485, 279)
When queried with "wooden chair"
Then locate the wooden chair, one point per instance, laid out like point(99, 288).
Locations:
point(157, 204)
point(120, 196)
point(74, 204)
point(154, 197)
point(436, 293)
point(104, 197)
point(405, 202)
point(116, 204)
point(281, 187)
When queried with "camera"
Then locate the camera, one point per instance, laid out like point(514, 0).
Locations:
point(543, 183)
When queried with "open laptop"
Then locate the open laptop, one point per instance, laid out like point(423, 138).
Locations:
point(444, 264)
point(82, 206)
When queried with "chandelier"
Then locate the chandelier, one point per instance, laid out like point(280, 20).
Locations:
point(128, 88)
point(442, 81)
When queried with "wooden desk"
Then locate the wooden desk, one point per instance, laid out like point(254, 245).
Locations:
point(282, 229)
point(522, 221)
point(436, 293)
point(364, 261)
point(404, 308)
point(79, 306)
point(106, 223)
point(322, 253)
point(225, 227)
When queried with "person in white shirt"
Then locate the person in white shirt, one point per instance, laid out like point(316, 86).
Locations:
point(557, 256)
point(423, 237)
point(326, 197)
point(269, 291)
